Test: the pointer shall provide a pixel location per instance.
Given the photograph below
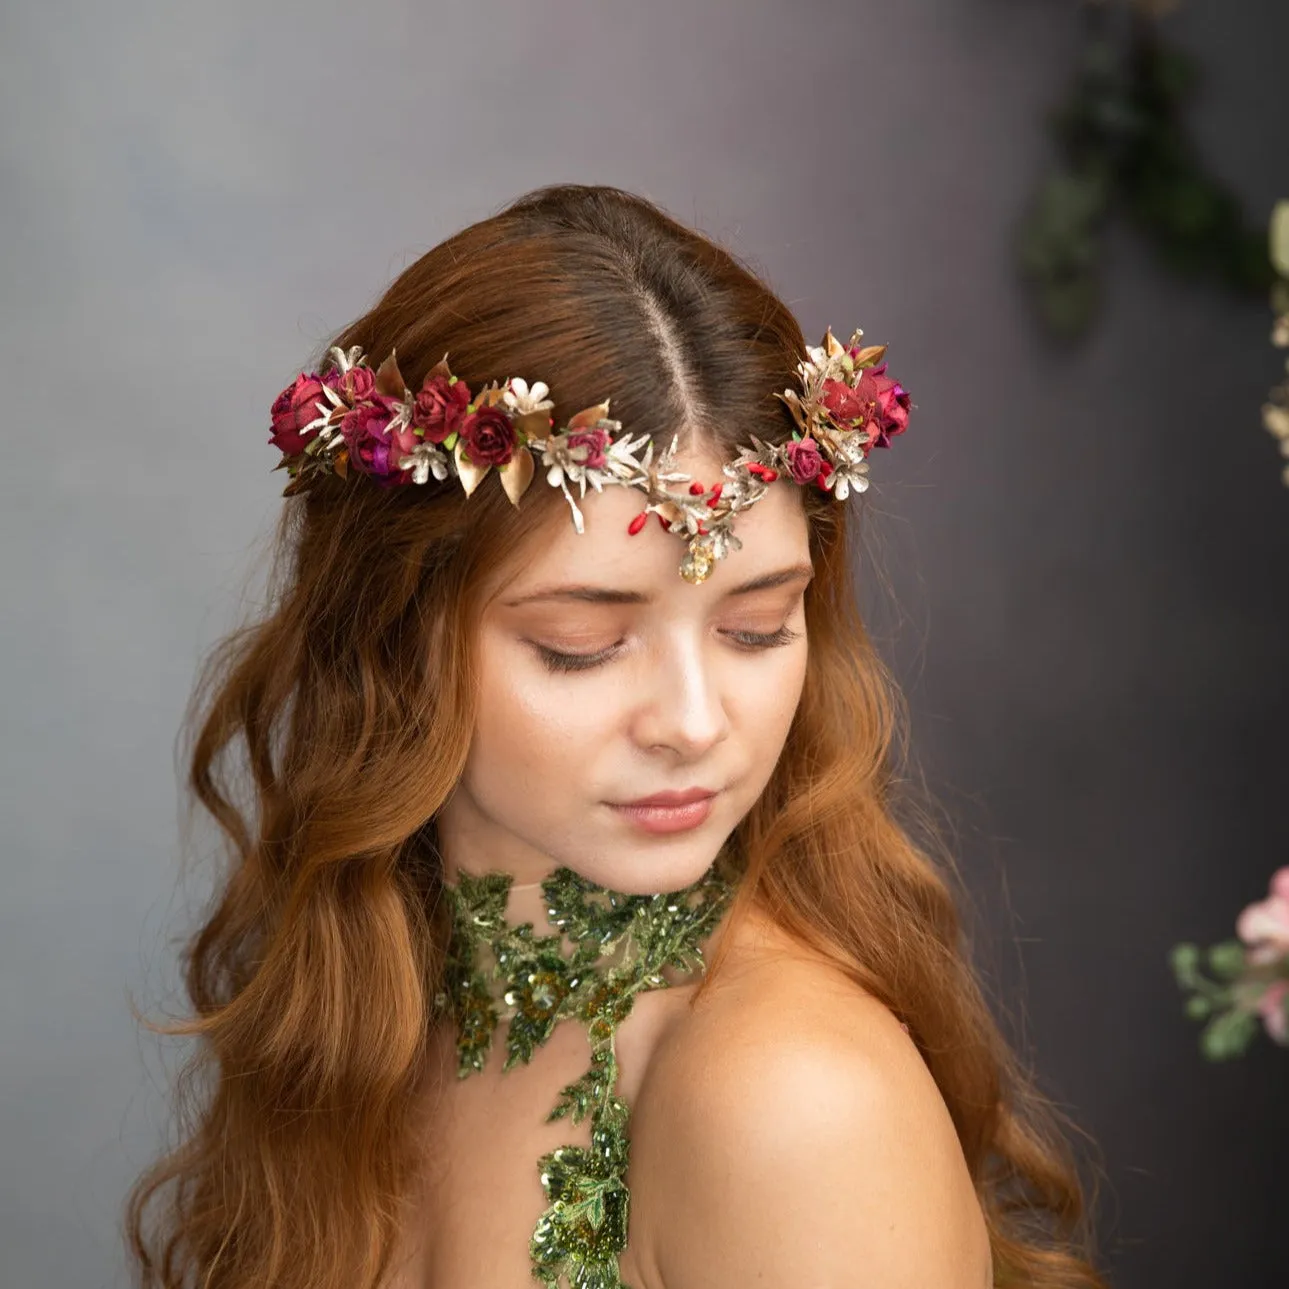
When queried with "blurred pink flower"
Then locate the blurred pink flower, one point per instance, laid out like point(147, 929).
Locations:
point(1271, 1007)
point(1264, 925)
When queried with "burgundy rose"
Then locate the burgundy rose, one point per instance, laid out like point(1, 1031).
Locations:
point(354, 385)
point(595, 442)
point(489, 436)
point(293, 409)
point(876, 404)
point(804, 461)
point(893, 405)
point(372, 449)
point(439, 407)
point(843, 403)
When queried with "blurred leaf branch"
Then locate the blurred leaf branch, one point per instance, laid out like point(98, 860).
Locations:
point(1124, 149)
point(1247, 979)
point(1275, 411)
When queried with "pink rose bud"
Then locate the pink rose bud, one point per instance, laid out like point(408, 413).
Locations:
point(595, 442)
point(804, 461)
point(439, 407)
point(354, 385)
point(293, 409)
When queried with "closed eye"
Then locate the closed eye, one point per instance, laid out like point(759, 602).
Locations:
point(556, 660)
point(764, 639)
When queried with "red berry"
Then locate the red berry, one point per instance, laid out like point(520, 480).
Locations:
point(696, 489)
point(637, 523)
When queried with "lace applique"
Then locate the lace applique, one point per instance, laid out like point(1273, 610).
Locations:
point(619, 946)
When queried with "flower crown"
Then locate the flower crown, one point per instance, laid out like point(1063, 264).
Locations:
point(351, 417)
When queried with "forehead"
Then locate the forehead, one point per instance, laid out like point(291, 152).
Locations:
point(774, 535)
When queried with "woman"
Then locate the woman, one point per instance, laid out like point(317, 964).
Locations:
point(570, 934)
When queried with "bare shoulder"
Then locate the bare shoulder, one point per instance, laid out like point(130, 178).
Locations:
point(792, 1134)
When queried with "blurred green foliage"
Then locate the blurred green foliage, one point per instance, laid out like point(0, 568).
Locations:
point(1125, 150)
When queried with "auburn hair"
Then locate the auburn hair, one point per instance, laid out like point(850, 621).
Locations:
point(323, 736)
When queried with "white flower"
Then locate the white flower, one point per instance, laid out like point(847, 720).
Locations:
point(520, 399)
point(423, 460)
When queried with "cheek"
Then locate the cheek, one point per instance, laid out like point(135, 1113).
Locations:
point(777, 701)
point(768, 706)
point(533, 735)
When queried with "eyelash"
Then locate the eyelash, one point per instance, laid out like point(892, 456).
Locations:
point(750, 640)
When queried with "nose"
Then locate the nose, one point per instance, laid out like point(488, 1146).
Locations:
point(683, 705)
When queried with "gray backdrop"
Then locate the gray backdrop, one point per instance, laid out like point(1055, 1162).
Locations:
point(1090, 548)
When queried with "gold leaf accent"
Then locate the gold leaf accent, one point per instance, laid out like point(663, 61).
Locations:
point(789, 396)
point(471, 475)
point(870, 355)
point(826, 437)
point(532, 425)
point(389, 380)
point(696, 565)
point(340, 463)
point(831, 345)
point(440, 368)
point(517, 474)
point(490, 396)
point(589, 417)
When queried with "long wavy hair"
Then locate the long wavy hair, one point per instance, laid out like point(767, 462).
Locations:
point(350, 701)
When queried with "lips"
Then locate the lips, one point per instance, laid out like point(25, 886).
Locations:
point(666, 799)
point(668, 812)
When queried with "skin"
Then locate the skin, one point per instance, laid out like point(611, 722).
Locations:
point(816, 1141)
point(645, 683)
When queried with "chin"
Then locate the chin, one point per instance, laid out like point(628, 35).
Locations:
point(650, 864)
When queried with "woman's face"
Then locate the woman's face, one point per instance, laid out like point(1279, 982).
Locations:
point(606, 678)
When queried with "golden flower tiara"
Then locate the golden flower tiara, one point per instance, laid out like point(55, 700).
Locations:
point(353, 417)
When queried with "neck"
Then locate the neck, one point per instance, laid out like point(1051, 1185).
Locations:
point(602, 948)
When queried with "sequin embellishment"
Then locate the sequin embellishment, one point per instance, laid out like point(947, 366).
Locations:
point(620, 944)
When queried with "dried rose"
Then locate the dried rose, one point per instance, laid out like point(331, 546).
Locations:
point(876, 404)
point(372, 449)
point(844, 404)
point(439, 407)
point(354, 385)
point(488, 436)
point(805, 461)
point(293, 409)
point(892, 405)
point(595, 442)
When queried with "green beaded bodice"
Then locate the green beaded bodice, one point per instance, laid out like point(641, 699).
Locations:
point(618, 945)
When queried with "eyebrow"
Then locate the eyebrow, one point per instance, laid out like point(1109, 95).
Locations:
point(610, 595)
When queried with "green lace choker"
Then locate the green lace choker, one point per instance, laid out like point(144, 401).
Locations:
point(619, 945)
